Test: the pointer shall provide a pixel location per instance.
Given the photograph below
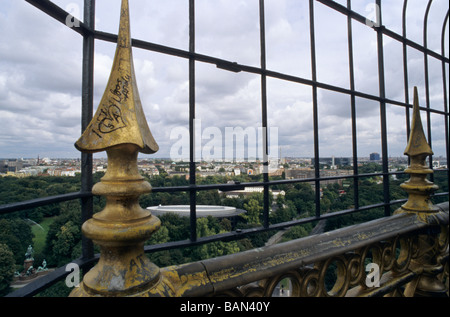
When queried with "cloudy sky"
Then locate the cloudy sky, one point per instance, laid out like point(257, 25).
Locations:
point(40, 74)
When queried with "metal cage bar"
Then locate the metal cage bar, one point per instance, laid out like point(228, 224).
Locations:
point(382, 93)
point(444, 90)
point(192, 164)
point(87, 203)
point(353, 106)
point(262, 28)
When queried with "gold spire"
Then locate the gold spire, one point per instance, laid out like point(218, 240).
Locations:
point(417, 144)
point(122, 227)
point(418, 187)
point(119, 118)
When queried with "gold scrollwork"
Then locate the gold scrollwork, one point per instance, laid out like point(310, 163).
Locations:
point(355, 269)
point(310, 286)
point(403, 252)
point(335, 276)
point(288, 285)
point(334, 280)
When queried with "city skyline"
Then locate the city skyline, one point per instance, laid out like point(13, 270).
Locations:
point(40, 75)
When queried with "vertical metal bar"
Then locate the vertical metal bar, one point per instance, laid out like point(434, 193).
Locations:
point(192, 164)
point(264, 113)
point(405, 70)
point(353, 107)
point(86, 116)
point(315, 110)
point(427, 84)
point(444, 82)
point(382, 92)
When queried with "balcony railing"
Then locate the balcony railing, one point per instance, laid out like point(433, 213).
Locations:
point(402, 254)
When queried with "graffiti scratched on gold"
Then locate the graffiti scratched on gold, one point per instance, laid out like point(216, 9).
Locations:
point(119, 118)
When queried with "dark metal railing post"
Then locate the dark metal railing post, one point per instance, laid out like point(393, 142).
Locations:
point(444, 89)
point(264, 113)
point(382, 92)
point(405, 70)
point(192, 130)
point(353, 108)
point(87, 203)
point(315, 109)
point(427, 83)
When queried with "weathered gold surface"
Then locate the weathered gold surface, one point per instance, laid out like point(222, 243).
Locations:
point(428, 263)
point(119, 118)
point(317, 266)
point(418, 187)
point(122, 227)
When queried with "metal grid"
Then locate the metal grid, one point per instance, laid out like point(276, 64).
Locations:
point(90, 35)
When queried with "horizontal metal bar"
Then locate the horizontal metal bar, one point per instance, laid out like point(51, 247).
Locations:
point(60, 273)
point(33, 203)
point(60, 15)
point(229, 187)
point(362, 19)
point(242, 233)
point(236, 67)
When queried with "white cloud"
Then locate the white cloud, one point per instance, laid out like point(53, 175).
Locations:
point(40, 73)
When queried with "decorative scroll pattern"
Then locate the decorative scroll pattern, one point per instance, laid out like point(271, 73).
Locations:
point(346, 274)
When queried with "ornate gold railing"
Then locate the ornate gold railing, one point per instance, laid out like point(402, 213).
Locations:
point(404, 254)
point(411, 258)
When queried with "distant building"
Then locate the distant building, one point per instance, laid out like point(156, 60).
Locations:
point(301, 173)
point(304, 173)
point(11, 165)
point(374, 156)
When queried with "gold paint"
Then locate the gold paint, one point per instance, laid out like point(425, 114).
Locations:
point(122, 227)
point(419, 190)
point(119, 118)
point(182, 284)
point(418, 187)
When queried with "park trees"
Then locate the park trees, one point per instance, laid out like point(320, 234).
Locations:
point(17, 235)
point(7, 268)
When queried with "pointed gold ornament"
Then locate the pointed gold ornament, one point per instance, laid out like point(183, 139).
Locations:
point(417, 144)
point(122, 227)
point(419, 189)
point(428, 257)
point(119, 118)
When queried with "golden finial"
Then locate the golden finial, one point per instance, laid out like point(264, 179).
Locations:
point(119, 118)
point(419, 189)
point(417, 144)
point(122, 227)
